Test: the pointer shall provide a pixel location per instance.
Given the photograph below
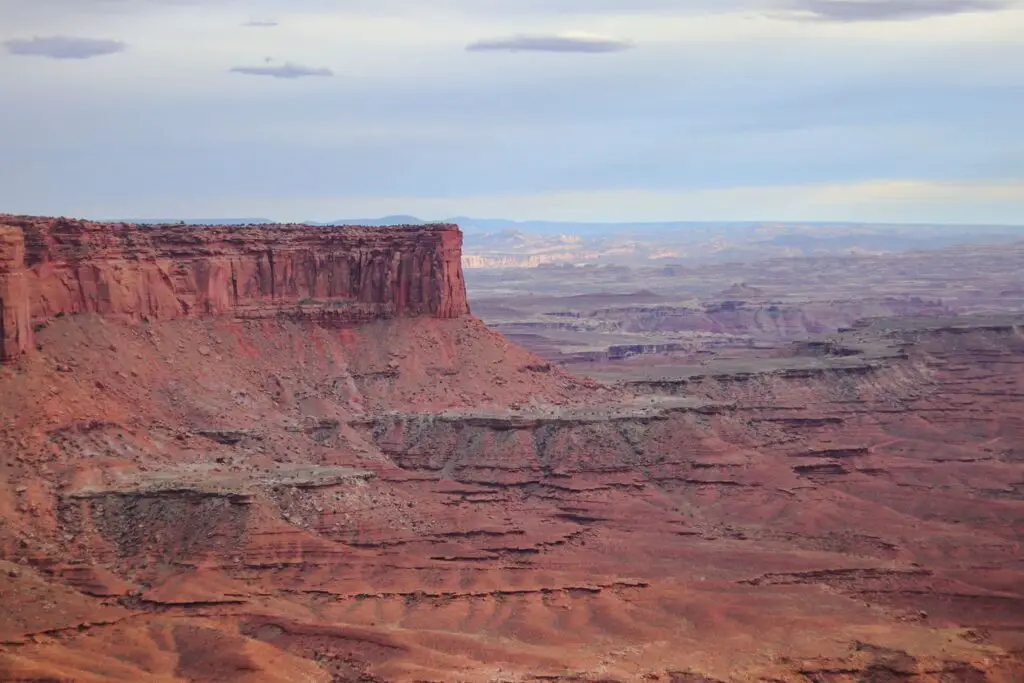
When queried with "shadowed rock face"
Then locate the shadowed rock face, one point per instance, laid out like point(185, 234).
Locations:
point(333, 275)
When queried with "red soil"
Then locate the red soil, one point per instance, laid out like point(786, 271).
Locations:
point(414, 499)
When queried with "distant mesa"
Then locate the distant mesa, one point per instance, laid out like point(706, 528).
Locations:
point(741, 290)
point(643, 296)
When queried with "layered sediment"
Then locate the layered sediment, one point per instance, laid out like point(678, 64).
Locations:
point(15, 330)
point(415, 499)
point(242, 489)
point(331, 275)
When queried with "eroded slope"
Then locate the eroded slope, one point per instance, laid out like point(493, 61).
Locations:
point(329, 473)
point(419, 500)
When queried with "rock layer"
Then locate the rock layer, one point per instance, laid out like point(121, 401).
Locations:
point(15, 332)
point(297, 497)
point(418, 500)
point(333, 275)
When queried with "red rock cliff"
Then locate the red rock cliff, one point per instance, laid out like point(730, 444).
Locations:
point(336, 275)
point(15, 330)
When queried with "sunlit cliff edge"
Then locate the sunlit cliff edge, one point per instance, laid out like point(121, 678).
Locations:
point(337, 275)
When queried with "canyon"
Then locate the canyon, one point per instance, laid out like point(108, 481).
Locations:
point(587, 314)
point(291, 453)
point(503, 244)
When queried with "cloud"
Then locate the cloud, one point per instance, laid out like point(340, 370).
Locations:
point(286, 70)
point(63, 47)
point(563, 42)
point(890, 10)
point(261, 23)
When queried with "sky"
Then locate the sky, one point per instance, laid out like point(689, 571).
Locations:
point(588, 110)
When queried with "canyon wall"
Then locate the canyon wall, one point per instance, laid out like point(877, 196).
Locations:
point(333, 275)
point(15, 331)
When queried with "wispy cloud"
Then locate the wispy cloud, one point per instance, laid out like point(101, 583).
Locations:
point(562, 42)
point(63, 47)
point(261, 23)
point(929, 99)
point(286, 70)
point(890, 10)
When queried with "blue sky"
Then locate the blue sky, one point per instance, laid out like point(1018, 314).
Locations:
point(863, 110)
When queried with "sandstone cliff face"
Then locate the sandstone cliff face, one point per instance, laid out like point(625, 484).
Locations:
point(333, 275)
point(15, 331)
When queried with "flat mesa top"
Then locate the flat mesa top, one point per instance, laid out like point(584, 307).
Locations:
point(63, 223)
